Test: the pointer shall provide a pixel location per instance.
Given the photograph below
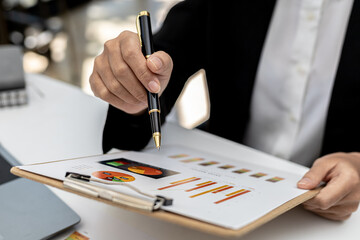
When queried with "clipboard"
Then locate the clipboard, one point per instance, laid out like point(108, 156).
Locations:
point(176, 218)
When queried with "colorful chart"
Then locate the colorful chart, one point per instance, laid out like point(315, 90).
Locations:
point(207, 184)
point(222, 189)
point(117, 163)
point(192, 160)
point(227, 166)
point(214, 190)
point(201, 185)
point(145, 170)
point(180, 182)
point(179, 156)
point(243, 170)
point(258, 175)
point(208, 163)
point(77, 236)
point(275, 179)
point(138, 168)
point(233, 195)
point(113, 176)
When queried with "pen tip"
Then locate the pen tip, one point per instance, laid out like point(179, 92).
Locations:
point(157, 139)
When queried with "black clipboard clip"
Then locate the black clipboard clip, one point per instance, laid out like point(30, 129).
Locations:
point(81, 183)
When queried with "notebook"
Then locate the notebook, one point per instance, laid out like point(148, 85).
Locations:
point(29, 210)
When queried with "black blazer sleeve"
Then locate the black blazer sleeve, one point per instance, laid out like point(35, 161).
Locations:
point(183, 37)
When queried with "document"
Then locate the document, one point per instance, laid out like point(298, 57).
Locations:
point(228, 192)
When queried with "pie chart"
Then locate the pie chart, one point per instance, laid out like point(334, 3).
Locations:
point(145, 170)
point(113, 176)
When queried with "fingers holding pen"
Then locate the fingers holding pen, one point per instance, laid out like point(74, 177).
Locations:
point(153, 73)
point(101, 91)
point(111, 82)
point(122, 74)
point(133, 57)
point(161, 64)
point(121, 71)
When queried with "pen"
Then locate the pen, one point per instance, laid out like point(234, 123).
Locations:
point(143, 26)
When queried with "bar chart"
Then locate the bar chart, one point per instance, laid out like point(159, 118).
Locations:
point(204, 185)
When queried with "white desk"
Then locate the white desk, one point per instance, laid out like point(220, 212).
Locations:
point(62, 122)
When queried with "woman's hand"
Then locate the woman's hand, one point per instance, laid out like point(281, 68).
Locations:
point(121, 73)
point(341, 195)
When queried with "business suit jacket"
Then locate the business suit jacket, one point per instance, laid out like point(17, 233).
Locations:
point(226, 39)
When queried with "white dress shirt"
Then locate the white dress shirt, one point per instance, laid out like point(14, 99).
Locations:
point(295, 78)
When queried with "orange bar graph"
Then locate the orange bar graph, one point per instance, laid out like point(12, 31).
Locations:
point(179, 183)
point(184, 180)
point(192, 160)
point(214, 189)
point(179, 156)
point(223, 189)
point(200, 184)
point(232, 196)
point(205, 185)
point(233, 193)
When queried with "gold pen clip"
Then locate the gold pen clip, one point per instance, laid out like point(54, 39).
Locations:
point(142, 13)
point(138, 29)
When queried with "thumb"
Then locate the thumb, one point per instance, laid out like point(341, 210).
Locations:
point(160, 63)
point(314, 176)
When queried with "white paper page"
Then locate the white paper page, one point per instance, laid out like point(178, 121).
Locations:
point(222, 191)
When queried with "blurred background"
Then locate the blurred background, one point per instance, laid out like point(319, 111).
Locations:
point(61, 38)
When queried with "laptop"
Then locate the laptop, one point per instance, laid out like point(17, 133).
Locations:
point(29, 210)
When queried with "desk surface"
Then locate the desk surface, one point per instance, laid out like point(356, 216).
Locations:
point(62, 122)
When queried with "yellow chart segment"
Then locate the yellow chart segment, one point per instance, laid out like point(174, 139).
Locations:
point(145, 170)
point(113, 176)
point(137, 170)
point(123, 178)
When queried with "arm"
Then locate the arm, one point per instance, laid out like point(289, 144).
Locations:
point(121, 74)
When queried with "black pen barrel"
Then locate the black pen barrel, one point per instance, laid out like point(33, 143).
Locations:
point(147, 46)
point(154, 112)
